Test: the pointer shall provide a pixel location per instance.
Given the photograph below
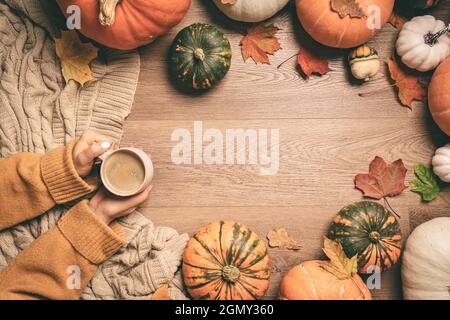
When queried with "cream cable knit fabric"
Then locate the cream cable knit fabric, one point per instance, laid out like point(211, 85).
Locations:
point(38, 111)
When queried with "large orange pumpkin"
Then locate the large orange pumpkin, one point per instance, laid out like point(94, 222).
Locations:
point(226, 261)
point(329, 28)
point(439, 96)
point(127, 24)
point(309, 281)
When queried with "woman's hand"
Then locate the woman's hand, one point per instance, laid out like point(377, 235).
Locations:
point(90, 146)
point(109, 207)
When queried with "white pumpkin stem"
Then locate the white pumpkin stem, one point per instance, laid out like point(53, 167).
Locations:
point(107, 12)
point(432, 38)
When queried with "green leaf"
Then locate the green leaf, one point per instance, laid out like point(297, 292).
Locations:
point(426, 184)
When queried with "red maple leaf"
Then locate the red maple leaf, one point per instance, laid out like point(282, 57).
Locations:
point(383, 180)
point(310, 63)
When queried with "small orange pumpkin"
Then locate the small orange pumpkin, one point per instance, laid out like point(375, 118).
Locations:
point(439, 96)
point(327, 27)
point(226, 261)
point(127, 24)
point(309, 281)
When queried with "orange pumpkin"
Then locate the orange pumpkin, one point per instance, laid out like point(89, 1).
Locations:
point(226, 261)
point(309, 281)
point(439, 96)
point(127, 24)
point(327, 27)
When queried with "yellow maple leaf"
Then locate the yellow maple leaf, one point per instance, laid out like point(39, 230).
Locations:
point(75, 57)
point(162, 293)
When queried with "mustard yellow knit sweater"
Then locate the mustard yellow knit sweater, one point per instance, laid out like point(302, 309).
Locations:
point(30, 184)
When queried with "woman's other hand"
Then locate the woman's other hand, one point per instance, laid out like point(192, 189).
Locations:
point(90, 146)
point(109, 207)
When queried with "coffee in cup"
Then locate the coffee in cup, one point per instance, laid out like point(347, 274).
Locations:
point(126, 172)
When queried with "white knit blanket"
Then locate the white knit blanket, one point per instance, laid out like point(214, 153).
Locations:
point(38, 111)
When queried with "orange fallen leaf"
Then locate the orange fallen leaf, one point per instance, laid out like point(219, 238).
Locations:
point(410, 86)
point(310, 64)
point(259, 43)
point(162, 293)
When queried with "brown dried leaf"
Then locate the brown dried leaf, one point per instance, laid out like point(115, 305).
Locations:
point(279, 238)
point(349, 8)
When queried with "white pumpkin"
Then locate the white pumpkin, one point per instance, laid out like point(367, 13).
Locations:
point(413, 49)
point(426, 262)
point(441, 163)
point(250, 10)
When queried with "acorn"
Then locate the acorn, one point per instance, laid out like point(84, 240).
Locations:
point(364, 62)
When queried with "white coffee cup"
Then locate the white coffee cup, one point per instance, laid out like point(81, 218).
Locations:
point(147, 165)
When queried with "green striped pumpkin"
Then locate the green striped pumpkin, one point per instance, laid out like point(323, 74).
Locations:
point(368, 230)
point(226, 261)
point(200, 56)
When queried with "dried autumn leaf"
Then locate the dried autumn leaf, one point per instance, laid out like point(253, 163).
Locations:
point(75, 57)
point(410, 86)
point(310, 64)
point(383, 180)
point(279, 238)
point(349, 8)
point(162, 293)
point(340, 265)
point(259, 42)
point(397, 20)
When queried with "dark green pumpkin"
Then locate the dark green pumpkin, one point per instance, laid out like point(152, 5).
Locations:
point(200, 56)
point(370, 231)
point(423, 4)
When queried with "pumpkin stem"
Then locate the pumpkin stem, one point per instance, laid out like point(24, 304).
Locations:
point(199, 54)
point(432, 38)
point(374, 236)
point(107, 12)
point(231, 274)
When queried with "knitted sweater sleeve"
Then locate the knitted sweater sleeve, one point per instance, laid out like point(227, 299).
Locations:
point(30, 184)
point(61, 262)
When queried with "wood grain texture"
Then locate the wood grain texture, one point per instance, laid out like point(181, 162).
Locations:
point(328, 134)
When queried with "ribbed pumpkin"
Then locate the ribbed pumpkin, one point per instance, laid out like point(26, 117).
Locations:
point(368, 230)
point(327, 27)
point(309, 281)
point(439, 96)
point(226, 261)
point(200, 56)
point(127, 24)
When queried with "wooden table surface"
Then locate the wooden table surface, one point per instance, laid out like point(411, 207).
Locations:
point(328, 134)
